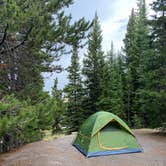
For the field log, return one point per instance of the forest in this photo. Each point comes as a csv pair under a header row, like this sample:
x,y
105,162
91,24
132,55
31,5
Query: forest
x,y
130,83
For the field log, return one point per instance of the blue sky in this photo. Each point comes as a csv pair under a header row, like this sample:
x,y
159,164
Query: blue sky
x,y
113,16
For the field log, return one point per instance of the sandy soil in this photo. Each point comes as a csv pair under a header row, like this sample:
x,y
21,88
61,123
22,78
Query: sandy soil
x,y
60,152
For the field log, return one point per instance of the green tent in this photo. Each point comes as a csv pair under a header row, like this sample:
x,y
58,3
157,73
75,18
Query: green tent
x,y
104,133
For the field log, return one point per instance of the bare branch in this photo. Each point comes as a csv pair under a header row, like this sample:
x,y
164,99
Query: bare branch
x,y
18,45
26,37
4,35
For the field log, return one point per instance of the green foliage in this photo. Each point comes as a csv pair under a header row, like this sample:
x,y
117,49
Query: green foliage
x,y
93,69
153,104
137,121
131,61
137,48
34,34
117,102
111,98
74,115
22,123
151,93
105,96
57,94
18,123
58,107
145,63
156,67
45,114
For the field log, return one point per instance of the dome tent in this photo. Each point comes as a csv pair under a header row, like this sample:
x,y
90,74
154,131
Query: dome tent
x,y
104,133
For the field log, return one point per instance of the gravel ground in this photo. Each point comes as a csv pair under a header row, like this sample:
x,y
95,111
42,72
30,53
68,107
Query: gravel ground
x,y
60,152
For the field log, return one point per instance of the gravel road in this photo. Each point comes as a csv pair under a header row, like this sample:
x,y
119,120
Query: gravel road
x,y
60,152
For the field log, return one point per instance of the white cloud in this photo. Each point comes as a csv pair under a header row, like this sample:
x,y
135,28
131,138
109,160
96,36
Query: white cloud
x,y
114,16
114,28
111,27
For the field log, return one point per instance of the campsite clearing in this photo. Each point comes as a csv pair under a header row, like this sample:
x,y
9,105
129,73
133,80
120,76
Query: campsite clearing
x,y
60,152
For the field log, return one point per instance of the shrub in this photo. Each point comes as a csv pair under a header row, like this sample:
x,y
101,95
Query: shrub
x,y
18,123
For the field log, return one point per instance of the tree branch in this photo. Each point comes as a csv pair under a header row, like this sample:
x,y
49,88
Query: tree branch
x,y
4,35
26,37
18,45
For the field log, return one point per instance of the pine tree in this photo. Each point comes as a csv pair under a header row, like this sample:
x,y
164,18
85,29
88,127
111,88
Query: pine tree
x,y
93,69
153,94
131,61
105,96
34,35
56,93
116,88
57,107
74,113
144,66
143,43
159,44
19,123
119,98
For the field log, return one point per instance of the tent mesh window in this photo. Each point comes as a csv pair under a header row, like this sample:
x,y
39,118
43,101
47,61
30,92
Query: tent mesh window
x,y
112,126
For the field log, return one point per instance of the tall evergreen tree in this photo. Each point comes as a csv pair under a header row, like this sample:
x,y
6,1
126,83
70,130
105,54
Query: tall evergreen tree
x,y
74,114
144,64
111,97
56,93
116,88
143,43
119,94
33,34
105,95
58,107
93,69
154,92
132,59
137,48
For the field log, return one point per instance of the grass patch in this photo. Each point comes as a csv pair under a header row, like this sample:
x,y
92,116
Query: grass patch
x,y
48,136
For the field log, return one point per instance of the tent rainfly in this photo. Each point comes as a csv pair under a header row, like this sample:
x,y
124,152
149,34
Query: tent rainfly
x,y
104,133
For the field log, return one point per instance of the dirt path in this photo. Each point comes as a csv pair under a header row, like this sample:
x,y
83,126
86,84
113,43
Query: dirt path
x,y
60,152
